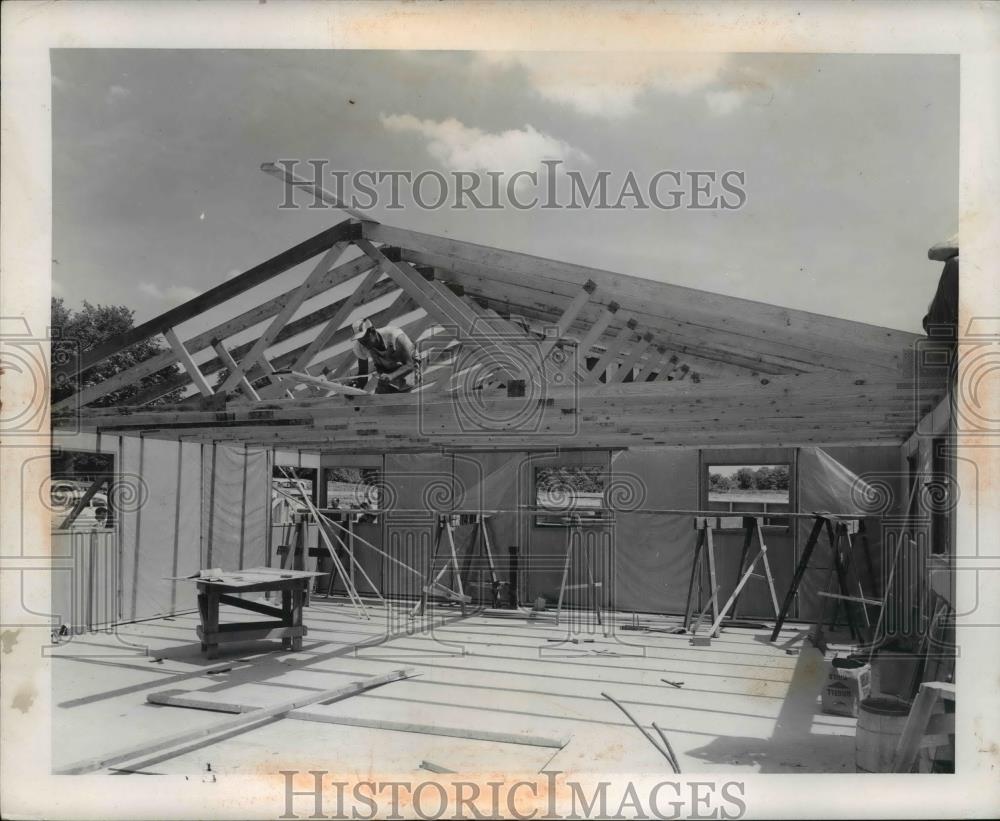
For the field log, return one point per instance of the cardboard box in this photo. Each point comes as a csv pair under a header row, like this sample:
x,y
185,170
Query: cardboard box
x,y
848,684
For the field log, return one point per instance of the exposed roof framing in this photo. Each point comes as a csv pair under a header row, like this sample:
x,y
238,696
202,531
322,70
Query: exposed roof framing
x,y
563,354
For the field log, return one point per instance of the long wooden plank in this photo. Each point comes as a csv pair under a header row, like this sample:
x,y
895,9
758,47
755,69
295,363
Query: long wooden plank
x,y
630,361
276,265
469,731
375,441
785,397
753,317
216,702
346,309
625,336
187,362
717,346
449,423
670,371
266,339
320,382
340,416
593,335
251,631
251,605
293,179
663,363
196,700
707,400
686,401
227,359
452,436
407,279
373,446
569,316
82,502
243,722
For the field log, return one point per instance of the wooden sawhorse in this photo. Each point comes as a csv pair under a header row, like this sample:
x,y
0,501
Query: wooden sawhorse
x,y
447,522
929,725
838,531
575,539
705,548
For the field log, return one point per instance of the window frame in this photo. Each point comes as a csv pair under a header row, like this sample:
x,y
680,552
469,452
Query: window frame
x,y
707,466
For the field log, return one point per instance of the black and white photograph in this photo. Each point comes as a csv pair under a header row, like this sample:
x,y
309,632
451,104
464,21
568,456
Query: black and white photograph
x,y
583,423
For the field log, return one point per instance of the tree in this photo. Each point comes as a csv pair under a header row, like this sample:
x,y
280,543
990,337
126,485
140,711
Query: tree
x,y
719,482
781,477
93,325
766,478
745,479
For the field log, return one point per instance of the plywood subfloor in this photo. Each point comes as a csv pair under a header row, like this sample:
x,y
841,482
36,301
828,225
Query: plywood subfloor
x,y
745,705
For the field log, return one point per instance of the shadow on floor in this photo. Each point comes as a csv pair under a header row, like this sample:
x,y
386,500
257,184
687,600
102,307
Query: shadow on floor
x,y
792,746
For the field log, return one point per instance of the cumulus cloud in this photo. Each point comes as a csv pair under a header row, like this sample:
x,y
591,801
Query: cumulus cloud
x,y
116,93
459,147
725,101
610,85
172,293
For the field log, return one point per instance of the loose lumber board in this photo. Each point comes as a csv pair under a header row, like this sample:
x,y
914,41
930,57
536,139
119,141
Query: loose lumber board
x,y
438,719
244,721
441,719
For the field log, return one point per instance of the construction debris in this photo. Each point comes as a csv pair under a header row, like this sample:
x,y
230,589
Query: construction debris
x,y
241,723
665,750
430,766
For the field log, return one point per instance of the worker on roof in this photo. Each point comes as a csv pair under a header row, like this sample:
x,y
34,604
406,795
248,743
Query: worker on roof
x,y
941,321
390,352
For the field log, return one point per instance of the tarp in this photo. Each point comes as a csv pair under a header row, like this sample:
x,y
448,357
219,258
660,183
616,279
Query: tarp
x,y
160,508
236,496
646,561
418,483
828,485
654,552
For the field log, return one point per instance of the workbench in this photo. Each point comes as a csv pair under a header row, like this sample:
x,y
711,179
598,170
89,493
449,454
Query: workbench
x,y
222,588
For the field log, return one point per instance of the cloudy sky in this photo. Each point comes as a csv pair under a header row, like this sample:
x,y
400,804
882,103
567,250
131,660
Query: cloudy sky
x,y
851,164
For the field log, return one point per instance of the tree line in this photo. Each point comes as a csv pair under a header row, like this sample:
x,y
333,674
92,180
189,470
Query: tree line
x,y
765,477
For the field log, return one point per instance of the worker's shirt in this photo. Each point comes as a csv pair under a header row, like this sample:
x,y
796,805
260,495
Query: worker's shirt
x,y
398,351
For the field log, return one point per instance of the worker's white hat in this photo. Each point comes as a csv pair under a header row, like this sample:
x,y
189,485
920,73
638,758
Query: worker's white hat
x,y
361,327
944,251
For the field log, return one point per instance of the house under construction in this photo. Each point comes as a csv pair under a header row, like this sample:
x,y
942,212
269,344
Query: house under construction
x,y
609,502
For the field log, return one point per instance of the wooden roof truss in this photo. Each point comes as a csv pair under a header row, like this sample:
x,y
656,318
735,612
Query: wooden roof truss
x,y
519,351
